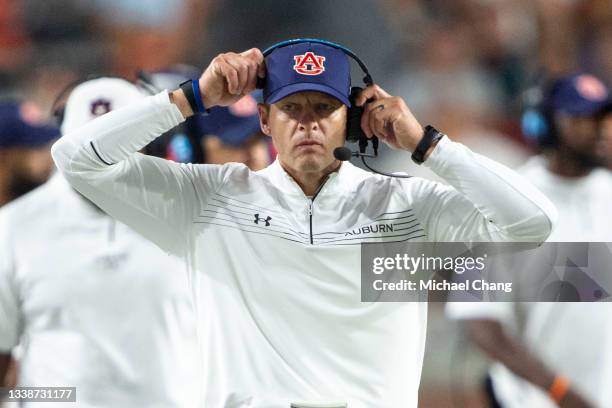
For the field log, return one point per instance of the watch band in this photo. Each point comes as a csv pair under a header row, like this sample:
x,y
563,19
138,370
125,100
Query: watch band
x,y
430,136
191,89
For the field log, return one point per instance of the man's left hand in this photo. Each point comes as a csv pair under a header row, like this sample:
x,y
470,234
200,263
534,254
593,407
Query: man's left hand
x,y
389,118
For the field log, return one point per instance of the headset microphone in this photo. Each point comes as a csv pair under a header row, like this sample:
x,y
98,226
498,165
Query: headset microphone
x,y
343,153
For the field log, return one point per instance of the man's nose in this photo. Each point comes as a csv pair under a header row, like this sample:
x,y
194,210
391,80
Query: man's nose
x,y
308,119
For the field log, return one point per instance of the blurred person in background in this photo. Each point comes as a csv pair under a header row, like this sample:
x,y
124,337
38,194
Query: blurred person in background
x,y
555,354
92,304
605,146
14,41
233,134
468,90
151,34
25,143
226,134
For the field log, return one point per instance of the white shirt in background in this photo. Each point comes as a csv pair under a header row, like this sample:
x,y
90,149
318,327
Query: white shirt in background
x,y
94,305
574,339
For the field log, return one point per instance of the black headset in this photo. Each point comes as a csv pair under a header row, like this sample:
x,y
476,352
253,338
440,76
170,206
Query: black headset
x,y
354,133
537,119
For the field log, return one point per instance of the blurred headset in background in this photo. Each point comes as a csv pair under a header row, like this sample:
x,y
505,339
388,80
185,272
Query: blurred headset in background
x,y
578,95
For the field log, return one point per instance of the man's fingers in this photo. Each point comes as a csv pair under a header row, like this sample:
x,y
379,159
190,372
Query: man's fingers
x,y
365,123
251,78
231,76
363,96
255,55
373,92
242,71
378,121
261,70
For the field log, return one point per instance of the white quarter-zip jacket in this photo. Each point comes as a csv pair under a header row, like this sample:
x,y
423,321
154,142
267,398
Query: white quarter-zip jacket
x,y
93,305
275,274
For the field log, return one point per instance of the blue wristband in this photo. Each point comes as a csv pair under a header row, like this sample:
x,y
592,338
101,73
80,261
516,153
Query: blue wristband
x,y
195,84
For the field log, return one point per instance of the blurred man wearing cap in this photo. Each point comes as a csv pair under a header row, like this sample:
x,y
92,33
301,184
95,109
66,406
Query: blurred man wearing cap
x,y
93,304
25,143
605,145
233,134
553,354
226,134
272,262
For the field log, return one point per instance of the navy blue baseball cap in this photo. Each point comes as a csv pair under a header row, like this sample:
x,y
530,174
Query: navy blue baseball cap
x,y
236,123
307,66
23,125
579,95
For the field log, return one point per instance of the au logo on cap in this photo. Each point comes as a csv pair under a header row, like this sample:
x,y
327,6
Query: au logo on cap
x,y
309,63
99,107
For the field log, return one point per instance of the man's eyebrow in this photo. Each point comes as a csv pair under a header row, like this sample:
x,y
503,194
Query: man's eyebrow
x,y
329,99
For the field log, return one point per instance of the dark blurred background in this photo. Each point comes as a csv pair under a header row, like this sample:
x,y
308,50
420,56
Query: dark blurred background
x,y
461,65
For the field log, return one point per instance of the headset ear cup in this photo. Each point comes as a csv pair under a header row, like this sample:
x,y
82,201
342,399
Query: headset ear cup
x,y
260,83
537,120
353,118
534,125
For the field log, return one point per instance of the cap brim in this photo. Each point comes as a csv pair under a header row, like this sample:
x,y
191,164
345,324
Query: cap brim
x,y
585,108
237,135
39,136
303,87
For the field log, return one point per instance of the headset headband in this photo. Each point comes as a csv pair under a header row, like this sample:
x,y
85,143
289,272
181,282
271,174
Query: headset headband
x,y
367,78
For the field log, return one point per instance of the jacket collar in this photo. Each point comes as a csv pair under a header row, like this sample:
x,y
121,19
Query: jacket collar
x,y
342,179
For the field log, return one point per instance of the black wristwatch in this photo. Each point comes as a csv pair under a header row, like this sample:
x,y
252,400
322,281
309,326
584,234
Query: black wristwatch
x,y
430,136
191,89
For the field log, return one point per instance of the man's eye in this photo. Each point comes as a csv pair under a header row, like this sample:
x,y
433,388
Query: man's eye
x,y
289,107
326,107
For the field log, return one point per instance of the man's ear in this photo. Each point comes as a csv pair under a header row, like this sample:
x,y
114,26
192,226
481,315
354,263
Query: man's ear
x,y
264,116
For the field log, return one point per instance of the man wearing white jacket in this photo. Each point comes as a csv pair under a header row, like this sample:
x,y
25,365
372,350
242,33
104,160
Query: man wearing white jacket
x,y
93,304
275,275
550,354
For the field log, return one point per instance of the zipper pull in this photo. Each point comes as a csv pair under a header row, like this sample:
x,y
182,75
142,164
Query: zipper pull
x,y
310,208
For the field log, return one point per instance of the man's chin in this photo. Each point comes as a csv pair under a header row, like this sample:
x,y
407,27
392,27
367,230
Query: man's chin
x,y
312,163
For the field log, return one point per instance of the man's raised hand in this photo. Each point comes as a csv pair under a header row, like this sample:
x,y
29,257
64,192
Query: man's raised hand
x,y
230,76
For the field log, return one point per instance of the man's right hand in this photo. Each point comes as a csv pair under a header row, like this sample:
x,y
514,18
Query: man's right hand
x,y
230,76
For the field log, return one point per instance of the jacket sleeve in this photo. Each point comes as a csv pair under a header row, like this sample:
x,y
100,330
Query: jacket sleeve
x,y
484,201
157,198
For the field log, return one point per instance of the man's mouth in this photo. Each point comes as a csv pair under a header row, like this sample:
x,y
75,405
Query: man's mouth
x,y
306,143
